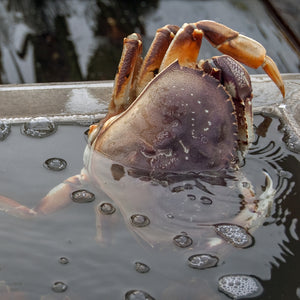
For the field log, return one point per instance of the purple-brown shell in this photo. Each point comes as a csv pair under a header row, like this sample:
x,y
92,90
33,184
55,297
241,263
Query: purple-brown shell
x,y
184,120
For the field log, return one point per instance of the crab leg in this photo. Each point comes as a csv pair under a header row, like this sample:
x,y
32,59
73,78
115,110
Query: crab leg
x,y
241,48
56,199
155,55
133,75
123,93
184,48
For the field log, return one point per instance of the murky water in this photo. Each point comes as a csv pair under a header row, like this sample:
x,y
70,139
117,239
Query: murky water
x,y
63,254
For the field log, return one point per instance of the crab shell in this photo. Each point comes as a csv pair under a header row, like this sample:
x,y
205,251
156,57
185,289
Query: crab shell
x,y
184,120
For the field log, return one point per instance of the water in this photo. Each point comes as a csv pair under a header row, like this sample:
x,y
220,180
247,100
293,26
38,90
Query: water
x,y
63,254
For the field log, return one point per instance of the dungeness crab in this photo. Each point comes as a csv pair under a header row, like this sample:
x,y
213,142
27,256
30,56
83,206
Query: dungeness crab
x,y
175,125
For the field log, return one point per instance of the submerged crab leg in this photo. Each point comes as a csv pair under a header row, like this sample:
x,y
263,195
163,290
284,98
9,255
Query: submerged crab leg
x,y
256,210
155,55
241,48
56,199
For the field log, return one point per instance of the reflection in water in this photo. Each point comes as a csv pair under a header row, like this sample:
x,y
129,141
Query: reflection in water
x,y
69,235
285,213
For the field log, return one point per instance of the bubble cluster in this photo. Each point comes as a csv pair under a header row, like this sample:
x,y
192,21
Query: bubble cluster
x,y
234,234
202,261
4,130
55,164
82,196
106,208
182,240
39,127
141,267
137,295
139,220
240,286
59,287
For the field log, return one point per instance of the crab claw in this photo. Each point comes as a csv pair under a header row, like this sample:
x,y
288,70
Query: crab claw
x,y
242,48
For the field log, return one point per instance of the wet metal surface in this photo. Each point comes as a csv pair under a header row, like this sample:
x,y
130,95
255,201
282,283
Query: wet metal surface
x,y
87,101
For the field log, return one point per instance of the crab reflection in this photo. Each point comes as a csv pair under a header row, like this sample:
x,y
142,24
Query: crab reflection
x,y
182,209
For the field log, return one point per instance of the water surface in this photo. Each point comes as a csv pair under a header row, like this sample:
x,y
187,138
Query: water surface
x,y
33,253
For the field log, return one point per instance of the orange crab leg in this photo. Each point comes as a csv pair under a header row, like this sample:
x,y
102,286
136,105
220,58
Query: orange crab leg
x,y
155,55
56,199
124,88
184,48
241,48
271,69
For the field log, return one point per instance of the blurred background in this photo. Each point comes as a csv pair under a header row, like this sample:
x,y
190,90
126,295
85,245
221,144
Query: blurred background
x,y
75,40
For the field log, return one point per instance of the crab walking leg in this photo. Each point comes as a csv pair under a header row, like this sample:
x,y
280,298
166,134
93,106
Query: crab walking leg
x,y
56,199
256,209
242,48
155,55
123,92
185,47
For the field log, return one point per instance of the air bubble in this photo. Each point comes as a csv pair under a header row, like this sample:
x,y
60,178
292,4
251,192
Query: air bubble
x,y
39,127
246,184
59,287
4,130
141,267
191,197
205,200
63,260
55,164
182,240
139,220
82,196
177,189
170,216
106,208
137,295
234,234
188,186
240,286
202,261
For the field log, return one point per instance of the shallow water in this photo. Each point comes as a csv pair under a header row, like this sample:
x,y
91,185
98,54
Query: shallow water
x,y
31,250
